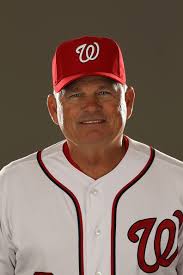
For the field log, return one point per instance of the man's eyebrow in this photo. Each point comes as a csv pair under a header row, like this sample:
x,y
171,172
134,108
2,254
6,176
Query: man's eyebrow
x,y
104,86
70,90
107,87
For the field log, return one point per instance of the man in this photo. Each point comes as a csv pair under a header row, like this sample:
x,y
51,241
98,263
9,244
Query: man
x,y
97,202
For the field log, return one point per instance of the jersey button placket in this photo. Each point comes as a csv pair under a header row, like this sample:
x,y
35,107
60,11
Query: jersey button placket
x,y
94,213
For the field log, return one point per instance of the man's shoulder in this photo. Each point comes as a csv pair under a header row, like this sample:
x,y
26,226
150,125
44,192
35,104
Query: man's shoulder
x,y
29,162
161,159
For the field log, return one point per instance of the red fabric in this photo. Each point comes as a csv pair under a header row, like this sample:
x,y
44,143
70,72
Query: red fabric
x,y
88,55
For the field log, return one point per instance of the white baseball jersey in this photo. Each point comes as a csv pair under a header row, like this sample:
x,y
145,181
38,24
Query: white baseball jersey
x,y
54,219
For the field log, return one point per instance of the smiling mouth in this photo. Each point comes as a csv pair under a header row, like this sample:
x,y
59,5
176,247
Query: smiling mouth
x,y
91,122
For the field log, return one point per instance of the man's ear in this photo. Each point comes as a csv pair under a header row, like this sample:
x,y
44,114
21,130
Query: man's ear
x,y
52,108
129,98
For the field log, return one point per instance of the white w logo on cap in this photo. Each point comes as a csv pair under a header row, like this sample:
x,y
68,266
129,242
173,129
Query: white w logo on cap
x,y
91,52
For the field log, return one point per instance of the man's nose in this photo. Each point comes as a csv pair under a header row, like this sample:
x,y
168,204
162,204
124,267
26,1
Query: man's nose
x,y
91,103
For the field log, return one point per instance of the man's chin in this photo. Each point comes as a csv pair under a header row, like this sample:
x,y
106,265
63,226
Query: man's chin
x,y
93,140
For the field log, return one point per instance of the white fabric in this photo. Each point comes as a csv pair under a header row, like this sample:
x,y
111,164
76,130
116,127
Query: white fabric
x,y
39,224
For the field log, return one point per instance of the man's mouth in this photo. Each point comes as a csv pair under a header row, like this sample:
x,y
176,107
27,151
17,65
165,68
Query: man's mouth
x,y
98,121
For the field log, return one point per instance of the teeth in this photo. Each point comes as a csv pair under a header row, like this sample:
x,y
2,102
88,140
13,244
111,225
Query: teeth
x,y
93,121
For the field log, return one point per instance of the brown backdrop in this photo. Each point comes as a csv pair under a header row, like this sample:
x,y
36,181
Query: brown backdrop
x,y
150,34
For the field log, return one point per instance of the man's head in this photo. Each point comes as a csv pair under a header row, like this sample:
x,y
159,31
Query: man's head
x,y
91,100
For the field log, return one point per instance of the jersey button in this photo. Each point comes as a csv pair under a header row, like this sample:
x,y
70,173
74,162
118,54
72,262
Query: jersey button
x,y
98,273
94,191
97,232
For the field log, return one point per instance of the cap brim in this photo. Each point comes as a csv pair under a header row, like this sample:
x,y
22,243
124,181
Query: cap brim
x,y
69,79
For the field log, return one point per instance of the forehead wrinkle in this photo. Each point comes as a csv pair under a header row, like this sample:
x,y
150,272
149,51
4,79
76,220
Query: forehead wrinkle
x,y
89,79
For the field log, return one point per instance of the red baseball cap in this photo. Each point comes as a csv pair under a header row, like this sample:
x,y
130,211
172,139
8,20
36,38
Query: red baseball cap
x,y
84,56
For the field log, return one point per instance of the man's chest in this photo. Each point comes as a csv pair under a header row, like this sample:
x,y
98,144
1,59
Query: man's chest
x,y
130,230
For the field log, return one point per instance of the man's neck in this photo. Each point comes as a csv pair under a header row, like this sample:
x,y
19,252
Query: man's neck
x,y
97,158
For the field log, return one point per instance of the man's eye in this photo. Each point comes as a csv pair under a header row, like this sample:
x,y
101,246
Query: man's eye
x,y
75,95
104,92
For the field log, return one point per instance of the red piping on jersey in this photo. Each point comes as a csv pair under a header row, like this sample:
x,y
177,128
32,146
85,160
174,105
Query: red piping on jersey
x,y
78,210
67,154
77,206
114,208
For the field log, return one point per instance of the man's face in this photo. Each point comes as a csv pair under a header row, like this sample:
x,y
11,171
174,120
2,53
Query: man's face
x,y
92,110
